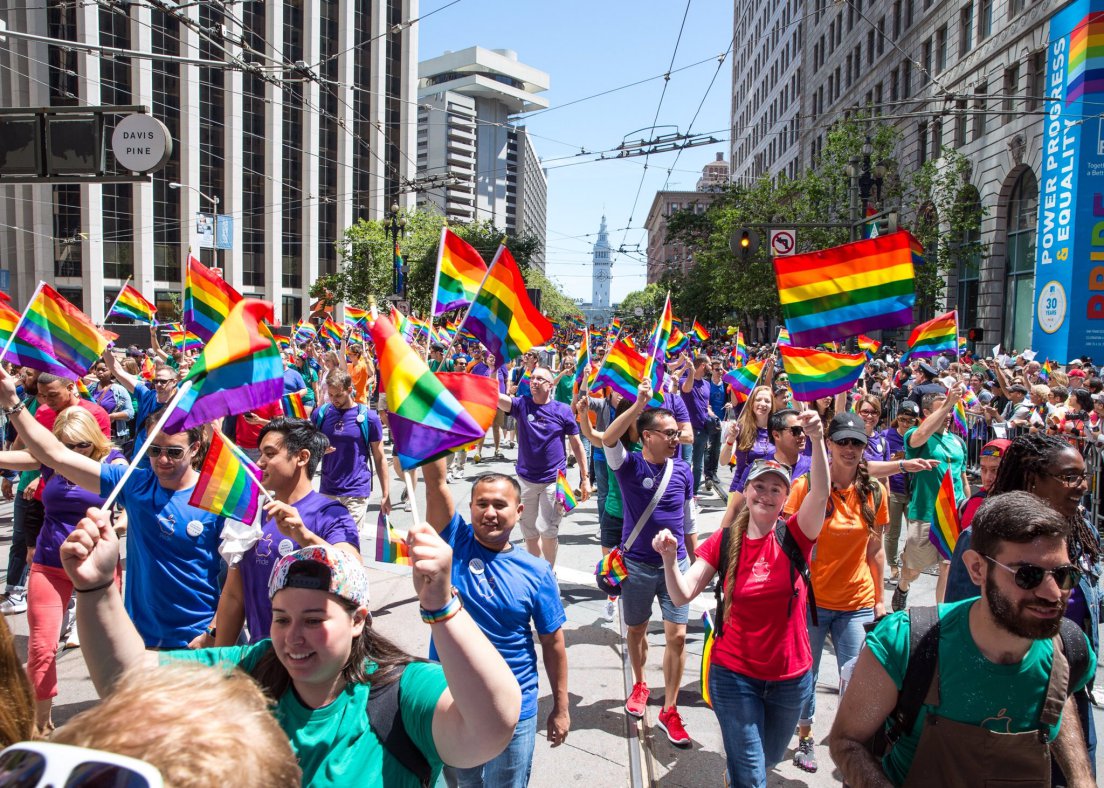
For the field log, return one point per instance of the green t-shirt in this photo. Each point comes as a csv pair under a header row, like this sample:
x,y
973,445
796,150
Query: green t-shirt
x,y
565,388
26,477
948,449
614,507
335,745
972,690
310,377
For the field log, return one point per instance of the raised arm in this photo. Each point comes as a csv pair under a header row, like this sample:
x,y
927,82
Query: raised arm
x,y
930,425
621,424
439,504
810,515
157,349
126,380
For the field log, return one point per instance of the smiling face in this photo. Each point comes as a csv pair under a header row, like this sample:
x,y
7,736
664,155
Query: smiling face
x,y
495,506
1034,613
765,497
762,404
786,443
1052,487
312,635
278,468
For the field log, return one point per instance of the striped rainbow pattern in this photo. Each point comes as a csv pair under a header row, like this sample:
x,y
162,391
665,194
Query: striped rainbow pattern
x,y
331,332
502,317
817,373
784,337
305,331
22,354
740,350
1085,69
133,304
564,494
971,399
935,336
582,358
612,567
207,299
945,523
293,406
354,316
391,546
613,330
958,415
148,368
239,370
282,342
677,342
185,340
845,290
460,271
868,345
743,379
698,332
225,487
661,336
707,656
622,370
65,337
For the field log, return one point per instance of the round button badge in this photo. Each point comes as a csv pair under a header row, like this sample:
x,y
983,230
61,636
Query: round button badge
x,y
649,484
475,566
194,528
286,546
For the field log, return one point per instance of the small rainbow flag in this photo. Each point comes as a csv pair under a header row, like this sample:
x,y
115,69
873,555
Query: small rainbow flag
x,y
971,399
229,482
868,345
282,342
743,379
82,390
185,340
740,351
354,316
945,523
132,304
305,331
613,330
958,414
622,370
331,332
842,291
502,317
293,406
707,656
582,359
460,271
56,337
661,336
698,332
1045,370
934,336
391,546
817,373
612,567
784,337
962,345
148,368
208,299
677,343
564,494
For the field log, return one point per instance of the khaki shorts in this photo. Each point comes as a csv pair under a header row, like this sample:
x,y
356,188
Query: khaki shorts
x,y
542,514
357,506
499,419
919,552
381,404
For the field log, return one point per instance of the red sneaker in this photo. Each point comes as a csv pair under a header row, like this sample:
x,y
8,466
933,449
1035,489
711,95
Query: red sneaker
x,y
638,700
671,723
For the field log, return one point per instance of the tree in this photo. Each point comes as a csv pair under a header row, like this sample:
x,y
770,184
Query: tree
x,y
649,301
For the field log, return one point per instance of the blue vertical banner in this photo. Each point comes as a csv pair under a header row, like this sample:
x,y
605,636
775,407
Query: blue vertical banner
x,y
1069,251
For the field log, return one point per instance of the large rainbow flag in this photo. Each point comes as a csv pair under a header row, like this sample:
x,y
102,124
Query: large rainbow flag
x,y
229,482
460,272
622,370
23,354
839,292
130,303
818,373
743,379
391,546
934,336
239,370
54,336
502,317
208,299
945,523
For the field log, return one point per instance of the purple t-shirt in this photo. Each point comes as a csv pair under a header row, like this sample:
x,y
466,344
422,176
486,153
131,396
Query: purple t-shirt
x,y
65,504
479,368
762,449
541,432
799,468
674,403
345,470
895,442
632,477
324,517
697,403
503,375
877,448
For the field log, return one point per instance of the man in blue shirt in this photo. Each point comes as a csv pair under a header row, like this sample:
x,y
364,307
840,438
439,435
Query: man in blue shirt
x,y
149,400
504,589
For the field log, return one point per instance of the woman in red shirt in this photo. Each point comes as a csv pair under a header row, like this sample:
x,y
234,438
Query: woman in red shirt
x,y
761,664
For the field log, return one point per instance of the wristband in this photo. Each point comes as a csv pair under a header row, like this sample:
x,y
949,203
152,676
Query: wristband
x,y
12,411
94,588
901,465
454,606
210,631
730,443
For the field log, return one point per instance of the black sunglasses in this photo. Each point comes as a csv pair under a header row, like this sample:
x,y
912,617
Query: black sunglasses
x,y
75,446
1029,576
796,430
849,442
172,452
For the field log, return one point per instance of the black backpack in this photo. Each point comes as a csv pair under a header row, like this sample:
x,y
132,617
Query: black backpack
x,y
924,628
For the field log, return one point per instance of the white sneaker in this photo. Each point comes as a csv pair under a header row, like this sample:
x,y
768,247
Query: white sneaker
x,y
13,605
610,609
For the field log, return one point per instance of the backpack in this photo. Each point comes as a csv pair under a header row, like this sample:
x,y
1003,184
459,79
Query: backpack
x,y
798,566
924,629
362,419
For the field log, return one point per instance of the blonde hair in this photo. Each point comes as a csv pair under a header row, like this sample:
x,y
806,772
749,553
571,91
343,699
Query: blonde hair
x,y
131,365
76,425
749,427
199,726
17,716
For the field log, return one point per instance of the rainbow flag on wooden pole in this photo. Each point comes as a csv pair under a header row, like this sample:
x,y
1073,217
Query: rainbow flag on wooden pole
x,y
54,336
391,546
817,373
132,304
935,336
743,380
208,299
565,496
945,522
460,272
229,483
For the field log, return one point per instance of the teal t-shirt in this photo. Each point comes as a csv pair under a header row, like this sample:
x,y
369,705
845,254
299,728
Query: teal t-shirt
x,y
614,506
972,690
950,451
335,745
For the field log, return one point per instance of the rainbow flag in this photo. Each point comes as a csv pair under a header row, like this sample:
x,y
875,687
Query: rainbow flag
x,y
582,359
783,337
817,373
460,272
427,415
743,379
933,337
82,390
623,370
305,331
740,350
229,482
239,370
629,342
958,415
355,316
185,340
612,567
677,342
22,354
945,523
502,317
698,332
282,342
331,332
132,304
613,330
208,299
148,368
661,336
707,656
54,336
391,546
868,345
564,494
173,326
293,406
842,291
971,399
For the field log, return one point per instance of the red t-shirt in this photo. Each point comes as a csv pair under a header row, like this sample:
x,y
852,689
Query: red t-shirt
x,y
246,433
46,416
760,639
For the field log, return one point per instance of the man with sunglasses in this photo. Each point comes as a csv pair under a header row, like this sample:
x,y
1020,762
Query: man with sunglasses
x,y
1006,667
542,426
149,400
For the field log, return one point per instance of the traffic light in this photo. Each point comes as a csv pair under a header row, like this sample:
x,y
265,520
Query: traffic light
x,y
744,243
973,334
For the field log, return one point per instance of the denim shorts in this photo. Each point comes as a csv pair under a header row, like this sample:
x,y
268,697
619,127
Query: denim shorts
x,y
609,530
644,583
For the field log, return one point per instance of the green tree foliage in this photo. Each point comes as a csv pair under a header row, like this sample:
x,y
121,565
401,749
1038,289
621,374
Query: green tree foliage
x,y
650,302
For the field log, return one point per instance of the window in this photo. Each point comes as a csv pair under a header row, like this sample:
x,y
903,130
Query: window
x,y
985,19
908,13
896,19
922,143
906,79
1019,289
1011,87
878,98
936,139
1016,7
941,50
894,86
979,110
1036,79
848,70
960,124
966,251
881,35
966,29
870,48
926,62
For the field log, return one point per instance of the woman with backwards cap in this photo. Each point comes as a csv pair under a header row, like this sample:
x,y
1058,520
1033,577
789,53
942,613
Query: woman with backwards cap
x,y
323,659
760,666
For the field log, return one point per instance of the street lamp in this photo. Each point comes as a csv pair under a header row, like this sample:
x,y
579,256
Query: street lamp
x,y
213,200
398,275
864,181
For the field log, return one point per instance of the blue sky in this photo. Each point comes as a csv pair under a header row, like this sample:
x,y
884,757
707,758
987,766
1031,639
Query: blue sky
x,y
587,48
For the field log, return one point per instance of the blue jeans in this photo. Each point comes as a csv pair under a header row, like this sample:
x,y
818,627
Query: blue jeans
x,y
509,770
17,556
701,440
757,720
846,629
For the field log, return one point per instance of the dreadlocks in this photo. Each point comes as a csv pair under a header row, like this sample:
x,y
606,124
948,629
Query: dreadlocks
x,y
1031,456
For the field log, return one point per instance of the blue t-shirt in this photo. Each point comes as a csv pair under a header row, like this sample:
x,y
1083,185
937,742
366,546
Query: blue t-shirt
x,y
324,517
293,381
147,406
346,470
502,592
717,398
172,586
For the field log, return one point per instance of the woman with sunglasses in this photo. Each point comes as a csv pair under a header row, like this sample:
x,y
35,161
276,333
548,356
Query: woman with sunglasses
x,y
760,665
48,587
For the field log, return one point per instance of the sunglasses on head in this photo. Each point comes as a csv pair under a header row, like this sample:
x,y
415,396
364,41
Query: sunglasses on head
x,y
41,764
1029,576
172,452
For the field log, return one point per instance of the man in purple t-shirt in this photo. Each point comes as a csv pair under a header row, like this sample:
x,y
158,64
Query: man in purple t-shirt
x,y
695,393
542,425
640,478
300,517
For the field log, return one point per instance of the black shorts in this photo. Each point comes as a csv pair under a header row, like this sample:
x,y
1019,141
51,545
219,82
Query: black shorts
x,y
609,530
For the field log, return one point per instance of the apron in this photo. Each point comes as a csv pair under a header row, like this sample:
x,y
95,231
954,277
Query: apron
x,y
957,755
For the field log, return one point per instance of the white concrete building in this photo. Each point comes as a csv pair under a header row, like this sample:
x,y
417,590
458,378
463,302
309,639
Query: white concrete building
x,y
292,160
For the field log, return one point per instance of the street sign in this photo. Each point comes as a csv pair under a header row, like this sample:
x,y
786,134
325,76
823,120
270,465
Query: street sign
x,y
782,242
5,280
141,143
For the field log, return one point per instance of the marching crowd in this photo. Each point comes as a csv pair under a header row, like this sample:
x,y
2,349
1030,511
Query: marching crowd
x,y
828,518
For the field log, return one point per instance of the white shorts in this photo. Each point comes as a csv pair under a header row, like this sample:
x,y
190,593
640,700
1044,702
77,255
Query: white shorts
x,y
542,514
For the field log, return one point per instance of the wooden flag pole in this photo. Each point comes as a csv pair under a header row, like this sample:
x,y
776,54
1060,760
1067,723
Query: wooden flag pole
x,y
467,314
408,479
